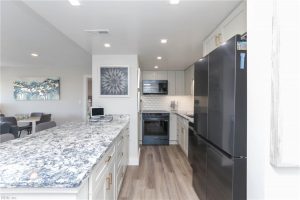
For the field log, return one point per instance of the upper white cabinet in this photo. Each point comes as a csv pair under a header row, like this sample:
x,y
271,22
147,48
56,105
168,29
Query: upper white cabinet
x,y
171,83
155,75
179,83
176,80
189,80
149,75
235,23
161,75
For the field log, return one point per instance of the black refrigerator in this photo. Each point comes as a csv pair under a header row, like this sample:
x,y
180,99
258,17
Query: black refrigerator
x,y
218,143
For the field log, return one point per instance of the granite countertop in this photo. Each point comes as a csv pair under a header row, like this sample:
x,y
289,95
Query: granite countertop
x,y
184,115
60,157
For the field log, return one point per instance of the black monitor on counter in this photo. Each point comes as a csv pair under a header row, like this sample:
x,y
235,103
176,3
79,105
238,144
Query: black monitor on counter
x,y
97,112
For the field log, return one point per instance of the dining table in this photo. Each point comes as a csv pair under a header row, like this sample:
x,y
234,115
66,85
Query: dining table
x,y
31,120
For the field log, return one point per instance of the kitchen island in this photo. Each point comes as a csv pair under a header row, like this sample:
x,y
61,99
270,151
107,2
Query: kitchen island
x,y
72,161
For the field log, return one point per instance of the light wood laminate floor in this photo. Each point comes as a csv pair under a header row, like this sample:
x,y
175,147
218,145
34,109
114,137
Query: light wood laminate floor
x,y
164,173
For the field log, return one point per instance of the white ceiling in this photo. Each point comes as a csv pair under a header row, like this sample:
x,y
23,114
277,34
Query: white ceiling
x,y
24,32
136,27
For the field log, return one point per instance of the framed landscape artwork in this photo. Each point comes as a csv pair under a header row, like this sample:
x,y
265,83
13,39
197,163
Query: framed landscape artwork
x,y
37,89
114,81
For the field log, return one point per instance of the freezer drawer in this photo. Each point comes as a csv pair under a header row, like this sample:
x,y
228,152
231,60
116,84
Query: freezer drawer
x,y
226,177
197,158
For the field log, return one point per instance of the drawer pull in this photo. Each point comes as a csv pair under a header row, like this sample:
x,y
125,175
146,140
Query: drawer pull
x,y
108,159
110,178
107,183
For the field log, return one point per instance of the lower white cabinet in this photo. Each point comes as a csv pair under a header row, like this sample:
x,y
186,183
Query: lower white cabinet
x,y
173,129
106,179
182,133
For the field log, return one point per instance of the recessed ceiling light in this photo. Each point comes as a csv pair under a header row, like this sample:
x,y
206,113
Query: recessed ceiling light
x,y
223,43
163,41
156,67
159,57
200,59
174,2
74,2
34,54
107,45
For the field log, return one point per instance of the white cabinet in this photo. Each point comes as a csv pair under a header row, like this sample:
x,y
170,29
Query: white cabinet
x,y
101,181
182,133
176,80
179,83
173,128
171,83
148,75
106,178
189,80
161,75
235,23
155,75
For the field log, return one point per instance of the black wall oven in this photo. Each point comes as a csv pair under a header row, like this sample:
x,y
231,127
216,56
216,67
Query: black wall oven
x,y
155,128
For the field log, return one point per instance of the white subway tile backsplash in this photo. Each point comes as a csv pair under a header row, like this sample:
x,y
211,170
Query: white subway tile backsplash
x,y
155,102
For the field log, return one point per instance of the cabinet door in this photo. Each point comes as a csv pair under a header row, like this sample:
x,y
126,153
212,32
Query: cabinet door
x,y
188,81
110,182
179,84
171,83
148,75
237,25
173,127
186,136
161,75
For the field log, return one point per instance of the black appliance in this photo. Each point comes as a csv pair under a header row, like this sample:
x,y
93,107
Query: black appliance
x,y
218,141
155,128
159,87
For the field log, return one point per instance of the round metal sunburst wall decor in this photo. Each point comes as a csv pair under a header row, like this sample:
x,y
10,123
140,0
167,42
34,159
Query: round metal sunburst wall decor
x,y
114,80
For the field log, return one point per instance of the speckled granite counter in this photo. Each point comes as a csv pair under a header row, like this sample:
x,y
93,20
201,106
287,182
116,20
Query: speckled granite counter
x,y
61,157
184,115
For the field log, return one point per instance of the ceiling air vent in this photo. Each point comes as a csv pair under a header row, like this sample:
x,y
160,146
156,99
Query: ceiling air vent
x,y
99,31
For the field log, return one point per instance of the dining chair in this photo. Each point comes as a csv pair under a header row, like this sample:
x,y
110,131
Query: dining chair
x,y
13,123
36,114
44,126
44,118
6,132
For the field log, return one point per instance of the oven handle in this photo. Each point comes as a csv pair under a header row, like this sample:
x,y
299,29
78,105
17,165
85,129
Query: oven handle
x,y
156,119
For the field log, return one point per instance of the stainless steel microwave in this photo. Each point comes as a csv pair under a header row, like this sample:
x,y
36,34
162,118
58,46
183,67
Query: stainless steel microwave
x,y
159,87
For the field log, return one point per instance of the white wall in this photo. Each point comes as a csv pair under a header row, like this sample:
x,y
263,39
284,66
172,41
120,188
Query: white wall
x,y
120,105
23,32
265,181
68,108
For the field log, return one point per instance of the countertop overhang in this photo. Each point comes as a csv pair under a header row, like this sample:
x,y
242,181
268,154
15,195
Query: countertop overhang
x,y
60,157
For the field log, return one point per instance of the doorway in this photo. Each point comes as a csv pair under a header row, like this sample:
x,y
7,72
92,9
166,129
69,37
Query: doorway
x,y
87,96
